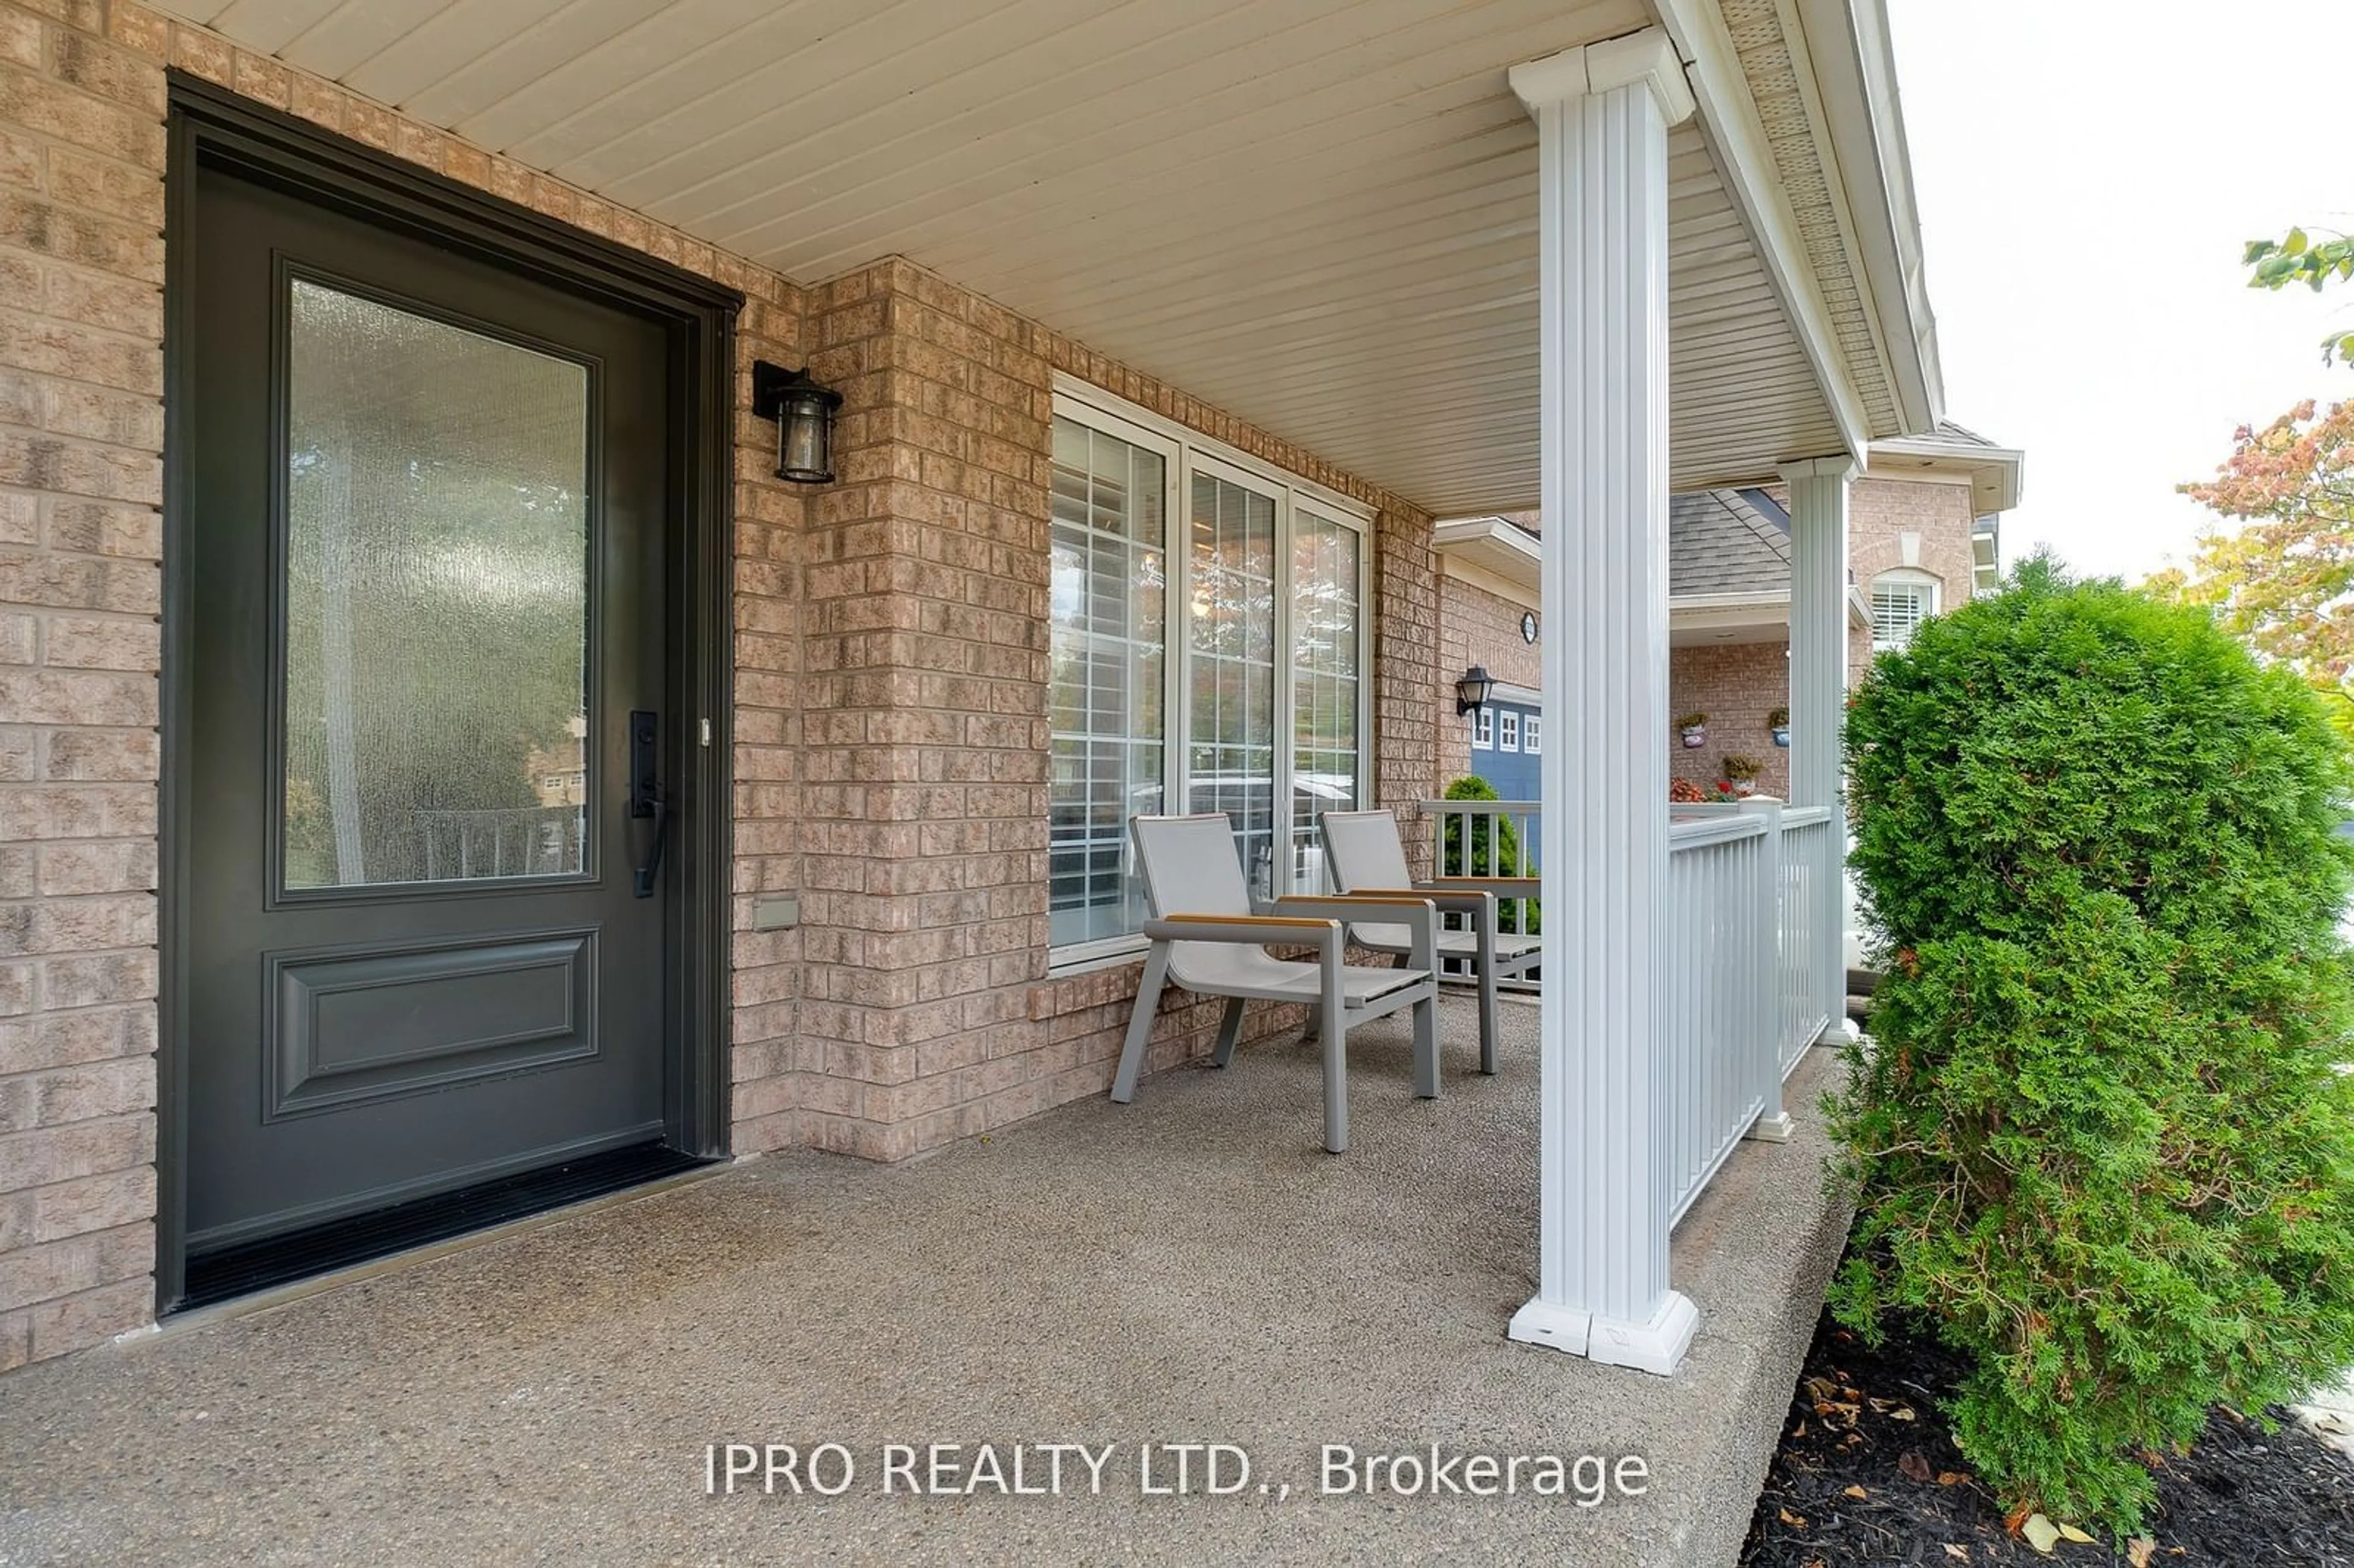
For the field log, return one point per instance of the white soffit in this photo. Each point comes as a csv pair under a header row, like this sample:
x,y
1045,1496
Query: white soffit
x,y
1992,472
1319,214
1492,545
1701,619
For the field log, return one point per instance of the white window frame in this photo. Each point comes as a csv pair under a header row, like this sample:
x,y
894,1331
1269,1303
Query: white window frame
x,y
1508,730
1173,545
1533,736
1923,584
1483,728
1188,450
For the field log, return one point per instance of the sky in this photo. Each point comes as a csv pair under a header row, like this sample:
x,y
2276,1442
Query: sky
x,y
2088,171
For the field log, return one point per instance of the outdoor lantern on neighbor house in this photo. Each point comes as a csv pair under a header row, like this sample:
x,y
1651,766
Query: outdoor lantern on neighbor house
x,y
1471,691
805,414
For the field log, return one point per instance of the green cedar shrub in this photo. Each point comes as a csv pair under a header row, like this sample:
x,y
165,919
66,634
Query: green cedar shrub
x,y
2100,1141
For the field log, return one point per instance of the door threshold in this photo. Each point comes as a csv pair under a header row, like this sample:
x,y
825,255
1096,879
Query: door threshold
x,y
270,1272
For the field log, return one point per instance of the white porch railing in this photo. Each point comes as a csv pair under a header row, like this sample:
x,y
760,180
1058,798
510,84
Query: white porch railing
x,y
1746,969
1469,839
1721,1064
1810,1000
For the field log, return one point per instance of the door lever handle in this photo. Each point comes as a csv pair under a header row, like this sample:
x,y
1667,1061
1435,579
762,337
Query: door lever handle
x,y
648,868
645,793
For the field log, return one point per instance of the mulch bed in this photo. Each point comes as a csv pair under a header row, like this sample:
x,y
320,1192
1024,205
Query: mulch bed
x,y
1866,1474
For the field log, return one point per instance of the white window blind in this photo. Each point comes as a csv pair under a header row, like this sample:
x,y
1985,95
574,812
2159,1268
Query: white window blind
x,y
1898,608
1107,599
1208,660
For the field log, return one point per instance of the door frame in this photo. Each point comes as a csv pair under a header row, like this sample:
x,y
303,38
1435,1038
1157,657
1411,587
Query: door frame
x,y
212,127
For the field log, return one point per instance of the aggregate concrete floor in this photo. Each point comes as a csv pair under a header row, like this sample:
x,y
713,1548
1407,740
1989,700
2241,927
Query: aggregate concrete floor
x,y
1190,1267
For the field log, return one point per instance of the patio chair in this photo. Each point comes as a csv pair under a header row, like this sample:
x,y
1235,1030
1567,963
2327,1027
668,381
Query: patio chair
x,y
1208,939
1366,856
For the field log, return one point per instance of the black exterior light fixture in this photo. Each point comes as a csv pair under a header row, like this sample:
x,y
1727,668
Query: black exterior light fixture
x,y
1471,691
805,414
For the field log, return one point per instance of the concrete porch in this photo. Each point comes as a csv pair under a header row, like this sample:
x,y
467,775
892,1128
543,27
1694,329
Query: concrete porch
x,y
1190,1267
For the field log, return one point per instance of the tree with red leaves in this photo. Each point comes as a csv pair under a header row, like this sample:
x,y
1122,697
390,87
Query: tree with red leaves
x,y
2284,584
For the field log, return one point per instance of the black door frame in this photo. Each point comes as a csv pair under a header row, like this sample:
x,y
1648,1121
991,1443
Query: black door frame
x,y
211,127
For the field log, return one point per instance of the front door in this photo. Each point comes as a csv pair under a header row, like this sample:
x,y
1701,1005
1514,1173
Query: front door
x,y
425,742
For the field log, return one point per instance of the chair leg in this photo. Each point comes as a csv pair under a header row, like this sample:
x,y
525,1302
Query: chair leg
x,y
1335,1024
1139,1024
1426,1044
1230,1033
1488,996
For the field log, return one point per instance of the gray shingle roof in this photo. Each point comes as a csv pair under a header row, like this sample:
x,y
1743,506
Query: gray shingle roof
x,y
1727,540
1719,541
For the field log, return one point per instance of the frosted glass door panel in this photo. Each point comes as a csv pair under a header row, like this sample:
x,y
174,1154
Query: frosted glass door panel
x,y
436,600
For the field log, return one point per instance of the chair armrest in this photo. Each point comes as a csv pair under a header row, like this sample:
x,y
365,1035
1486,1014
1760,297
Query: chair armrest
x,y
1415,911
1246,930
1501,887
1452,900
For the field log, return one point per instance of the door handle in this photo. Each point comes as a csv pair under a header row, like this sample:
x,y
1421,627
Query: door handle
x,y
645,793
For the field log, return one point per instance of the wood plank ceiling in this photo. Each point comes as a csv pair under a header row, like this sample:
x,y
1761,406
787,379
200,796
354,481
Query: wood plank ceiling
x,y
1318,213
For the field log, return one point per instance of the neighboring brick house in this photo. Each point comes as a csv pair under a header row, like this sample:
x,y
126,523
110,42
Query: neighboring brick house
x,y
1924,525
1488,610
1923,522
889,723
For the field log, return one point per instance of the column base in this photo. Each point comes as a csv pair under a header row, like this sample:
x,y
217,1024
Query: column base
x,y
1775,1128
1839,1032
1655,1345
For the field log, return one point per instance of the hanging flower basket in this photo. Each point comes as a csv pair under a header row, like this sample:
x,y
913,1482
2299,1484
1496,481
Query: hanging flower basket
x,y
1695,730
1778,723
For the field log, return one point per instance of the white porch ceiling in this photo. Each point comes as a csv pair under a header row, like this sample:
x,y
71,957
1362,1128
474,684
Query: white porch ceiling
x,y
1318,213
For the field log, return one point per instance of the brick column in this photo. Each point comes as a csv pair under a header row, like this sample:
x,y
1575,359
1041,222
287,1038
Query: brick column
x,y
1412,694
81,269
925,766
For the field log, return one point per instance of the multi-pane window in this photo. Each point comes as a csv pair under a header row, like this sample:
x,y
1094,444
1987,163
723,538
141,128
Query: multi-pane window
x,y
1533,734
1483,729
1327,604
1230,632
1107,602
1508,731
1899,605
1255,592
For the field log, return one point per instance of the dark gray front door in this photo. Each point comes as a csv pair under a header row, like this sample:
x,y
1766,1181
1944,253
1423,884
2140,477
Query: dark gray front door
x,y
426,504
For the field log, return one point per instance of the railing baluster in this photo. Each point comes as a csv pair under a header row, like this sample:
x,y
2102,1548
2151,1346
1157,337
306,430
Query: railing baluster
x,y
1739,1004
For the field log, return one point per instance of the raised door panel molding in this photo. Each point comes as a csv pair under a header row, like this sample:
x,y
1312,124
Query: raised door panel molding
x,y
348,1026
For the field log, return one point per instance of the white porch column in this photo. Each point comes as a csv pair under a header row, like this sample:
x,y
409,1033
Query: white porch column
x,y
1602,115
1819,693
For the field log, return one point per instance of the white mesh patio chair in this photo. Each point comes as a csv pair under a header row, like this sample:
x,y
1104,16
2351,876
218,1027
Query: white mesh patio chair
x,y
1208,939
1367,855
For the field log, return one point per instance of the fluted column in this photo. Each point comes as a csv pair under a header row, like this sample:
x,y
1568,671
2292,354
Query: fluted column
x,y
1603,113
1818,490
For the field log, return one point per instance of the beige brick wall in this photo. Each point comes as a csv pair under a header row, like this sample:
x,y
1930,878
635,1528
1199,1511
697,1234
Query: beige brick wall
x,y
81,268
931,1013
1881,512
1477,627
1738,685
889,643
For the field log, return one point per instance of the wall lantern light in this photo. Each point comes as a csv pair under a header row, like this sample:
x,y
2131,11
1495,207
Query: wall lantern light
x,y
1471,691
805,414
